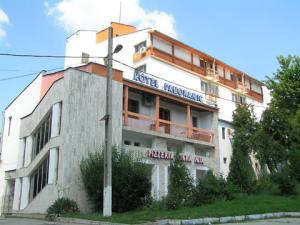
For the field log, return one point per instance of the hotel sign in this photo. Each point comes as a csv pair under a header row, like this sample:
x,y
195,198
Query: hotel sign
x,y
170,156
165,86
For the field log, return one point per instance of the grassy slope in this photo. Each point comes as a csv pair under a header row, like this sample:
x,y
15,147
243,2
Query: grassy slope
x,y
262,203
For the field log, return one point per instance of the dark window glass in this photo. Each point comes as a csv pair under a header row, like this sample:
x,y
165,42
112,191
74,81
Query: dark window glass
x,y
194,121
223,132
133,106
126,142
137,144
84,58
39,178
140,47
164,114
9,125
42,134
141,68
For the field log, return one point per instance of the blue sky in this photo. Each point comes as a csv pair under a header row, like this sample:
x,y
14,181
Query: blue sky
x,y
245,34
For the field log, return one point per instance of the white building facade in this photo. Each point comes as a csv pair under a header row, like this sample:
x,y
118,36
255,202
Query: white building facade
x,y
166,96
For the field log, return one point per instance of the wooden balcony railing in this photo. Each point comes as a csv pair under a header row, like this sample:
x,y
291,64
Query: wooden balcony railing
x,y
212,74
143,122
241,87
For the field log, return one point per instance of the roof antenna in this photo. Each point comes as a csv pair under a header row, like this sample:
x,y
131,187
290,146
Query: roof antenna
x,y
120,12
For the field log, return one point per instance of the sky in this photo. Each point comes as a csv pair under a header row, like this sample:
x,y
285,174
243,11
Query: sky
x,y
247,35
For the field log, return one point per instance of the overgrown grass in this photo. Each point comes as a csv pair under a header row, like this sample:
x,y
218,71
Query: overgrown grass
x,y
242,205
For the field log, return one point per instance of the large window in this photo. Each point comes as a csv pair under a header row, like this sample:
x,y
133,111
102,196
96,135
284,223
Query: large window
x,y
238,98
209,88
39,178
162,45
42,134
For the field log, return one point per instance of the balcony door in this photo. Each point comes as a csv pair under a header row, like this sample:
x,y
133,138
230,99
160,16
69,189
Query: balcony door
x,y
165,114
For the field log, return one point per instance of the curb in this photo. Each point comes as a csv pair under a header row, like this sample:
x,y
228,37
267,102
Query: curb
x,y
207,220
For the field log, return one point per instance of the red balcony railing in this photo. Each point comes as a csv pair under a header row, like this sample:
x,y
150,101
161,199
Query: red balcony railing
x,y
143,122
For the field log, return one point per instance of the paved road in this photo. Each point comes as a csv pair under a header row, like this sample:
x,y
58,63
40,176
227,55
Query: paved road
x,y
284,221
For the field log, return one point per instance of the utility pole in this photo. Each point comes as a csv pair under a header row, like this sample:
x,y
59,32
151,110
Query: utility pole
x,y
107,184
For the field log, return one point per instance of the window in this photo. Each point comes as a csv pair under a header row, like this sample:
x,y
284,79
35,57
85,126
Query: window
x,y
182,54
202,63
164,114
239,78
242,100
84,58
231,76
137,144
141,68
214,89
162,45
234,97
140,47
126,142
39,178
223,133
204,86
42,134
256,87
209,88
133,106
9,125
196,60
194,121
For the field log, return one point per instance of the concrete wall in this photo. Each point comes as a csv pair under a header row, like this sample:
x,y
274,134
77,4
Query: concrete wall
x,y
83,100
21,106
225,147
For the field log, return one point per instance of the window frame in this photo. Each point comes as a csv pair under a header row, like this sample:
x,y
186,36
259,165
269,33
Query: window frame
x,y
140,45
223,133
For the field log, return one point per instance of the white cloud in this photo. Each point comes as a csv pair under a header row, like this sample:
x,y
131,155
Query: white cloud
x,y
97,14
3,20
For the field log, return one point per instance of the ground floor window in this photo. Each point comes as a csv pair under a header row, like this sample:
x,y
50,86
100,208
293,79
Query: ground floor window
x,y
39,178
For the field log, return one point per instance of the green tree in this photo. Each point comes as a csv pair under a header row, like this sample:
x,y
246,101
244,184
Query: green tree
x,y
268,140
181,184
277,139
241,172
131,181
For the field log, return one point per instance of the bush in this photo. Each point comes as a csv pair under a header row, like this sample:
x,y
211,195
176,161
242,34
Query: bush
x,y
264,183
131,185
181,184
61,206
209,188
286,182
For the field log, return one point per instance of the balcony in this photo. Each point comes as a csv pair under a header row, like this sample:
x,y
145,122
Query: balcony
x,y
141,54
241,88
212,74
147,123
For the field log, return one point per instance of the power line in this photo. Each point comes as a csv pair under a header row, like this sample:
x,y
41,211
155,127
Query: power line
x,y
230,100
35,73
50,56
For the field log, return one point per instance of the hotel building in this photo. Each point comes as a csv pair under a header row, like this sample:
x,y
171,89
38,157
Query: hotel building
x,y
166,96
